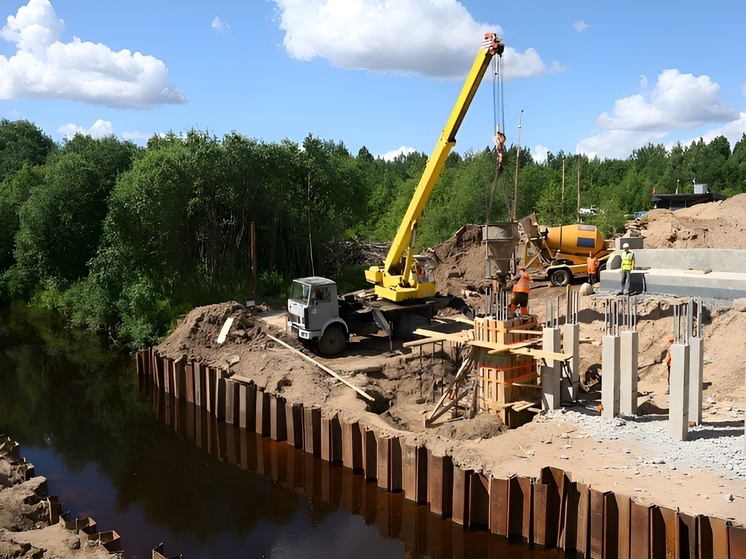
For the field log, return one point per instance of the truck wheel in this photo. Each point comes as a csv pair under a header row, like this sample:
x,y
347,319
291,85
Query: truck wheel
x,y
561,277
332,342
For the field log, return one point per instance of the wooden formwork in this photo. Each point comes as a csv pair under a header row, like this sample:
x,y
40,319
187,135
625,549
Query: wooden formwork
x,y
505,382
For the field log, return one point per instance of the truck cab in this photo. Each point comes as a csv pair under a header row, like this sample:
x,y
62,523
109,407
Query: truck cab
x,y
313,314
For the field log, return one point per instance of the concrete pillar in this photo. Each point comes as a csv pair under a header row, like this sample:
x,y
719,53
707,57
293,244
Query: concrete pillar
x,y
610,376
678,404
571,346
628,354
550,372
696,370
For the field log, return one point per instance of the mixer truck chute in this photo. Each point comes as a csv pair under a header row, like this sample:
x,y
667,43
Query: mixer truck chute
x,y
560,254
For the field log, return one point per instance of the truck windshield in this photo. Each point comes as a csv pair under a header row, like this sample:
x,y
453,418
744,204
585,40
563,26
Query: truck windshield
x,y
299,292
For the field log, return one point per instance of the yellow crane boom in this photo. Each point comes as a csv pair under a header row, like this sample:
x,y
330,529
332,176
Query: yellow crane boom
x,y
398,280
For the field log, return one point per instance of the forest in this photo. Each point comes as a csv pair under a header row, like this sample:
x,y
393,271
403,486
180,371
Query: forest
x,y
121,238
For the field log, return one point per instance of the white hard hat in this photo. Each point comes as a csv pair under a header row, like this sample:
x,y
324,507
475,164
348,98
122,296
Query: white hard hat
x,y
625,245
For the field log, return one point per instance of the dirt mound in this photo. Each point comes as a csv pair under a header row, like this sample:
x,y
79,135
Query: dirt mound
x,y
713,225
197,332
461,266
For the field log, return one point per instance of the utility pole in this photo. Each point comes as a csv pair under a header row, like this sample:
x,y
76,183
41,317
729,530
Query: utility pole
x,y
517,165
578,214
310,240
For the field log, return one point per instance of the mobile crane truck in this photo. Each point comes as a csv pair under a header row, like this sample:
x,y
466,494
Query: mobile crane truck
x,y
404,299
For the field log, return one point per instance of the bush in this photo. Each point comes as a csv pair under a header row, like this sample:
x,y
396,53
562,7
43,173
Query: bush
x,y
273,286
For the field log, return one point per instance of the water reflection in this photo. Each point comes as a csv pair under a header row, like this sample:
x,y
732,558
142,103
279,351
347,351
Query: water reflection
x,y
157,469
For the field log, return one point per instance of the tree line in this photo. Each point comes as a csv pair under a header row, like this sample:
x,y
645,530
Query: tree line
x,y
122,238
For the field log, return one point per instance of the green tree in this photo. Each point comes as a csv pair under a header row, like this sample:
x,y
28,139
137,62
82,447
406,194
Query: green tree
x,y
21,142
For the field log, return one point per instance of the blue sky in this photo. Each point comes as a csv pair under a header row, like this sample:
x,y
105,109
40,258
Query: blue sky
x,y
601,78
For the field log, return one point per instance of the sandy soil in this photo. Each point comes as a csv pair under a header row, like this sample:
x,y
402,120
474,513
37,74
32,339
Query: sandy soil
x,y
25,530
632,456
635,458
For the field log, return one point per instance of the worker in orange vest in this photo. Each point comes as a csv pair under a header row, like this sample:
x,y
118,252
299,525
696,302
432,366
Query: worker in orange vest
x,y
521,288
592,268
668,364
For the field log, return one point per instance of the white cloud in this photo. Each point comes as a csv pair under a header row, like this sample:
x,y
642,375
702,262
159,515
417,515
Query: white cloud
x,y
220,25
434,38
676,102
44,67
579,26
680,101
391,155
539,153
100,129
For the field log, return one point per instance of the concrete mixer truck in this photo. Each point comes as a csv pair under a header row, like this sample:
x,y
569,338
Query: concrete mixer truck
x,y
560,254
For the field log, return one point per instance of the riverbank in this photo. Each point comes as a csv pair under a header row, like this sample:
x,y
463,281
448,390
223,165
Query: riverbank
x,y
632,457
29,518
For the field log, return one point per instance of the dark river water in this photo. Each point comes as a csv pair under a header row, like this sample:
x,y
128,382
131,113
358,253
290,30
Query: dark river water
x,y
157,470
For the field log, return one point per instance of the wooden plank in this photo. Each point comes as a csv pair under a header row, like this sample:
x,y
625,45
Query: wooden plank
x,y
541,354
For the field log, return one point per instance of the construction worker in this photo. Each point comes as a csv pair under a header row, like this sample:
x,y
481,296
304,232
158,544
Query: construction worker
x,y
521,288
628,264
668,364
592,268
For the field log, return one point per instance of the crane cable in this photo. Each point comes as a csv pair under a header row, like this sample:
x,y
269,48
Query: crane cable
x,y
498,117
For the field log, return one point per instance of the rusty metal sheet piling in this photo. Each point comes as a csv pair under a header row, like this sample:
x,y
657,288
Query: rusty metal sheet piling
x,y
312,431
277,423
189,382
712,537
199,383
166,365
180,381
461,491
231,402
737,542
383,454
520,512
262,424
219,408
688,537
294,425
547,507
414,475
597,523
352,446
640,527
583,532
440,484
331,440
158,553
479,501
370,454
499,506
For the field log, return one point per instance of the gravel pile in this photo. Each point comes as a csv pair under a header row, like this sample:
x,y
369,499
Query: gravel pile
x,y
718,448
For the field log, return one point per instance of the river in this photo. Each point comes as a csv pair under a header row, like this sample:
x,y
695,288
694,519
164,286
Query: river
x,y
156,470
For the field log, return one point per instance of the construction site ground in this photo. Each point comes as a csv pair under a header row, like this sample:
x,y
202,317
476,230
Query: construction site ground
x,y
632,456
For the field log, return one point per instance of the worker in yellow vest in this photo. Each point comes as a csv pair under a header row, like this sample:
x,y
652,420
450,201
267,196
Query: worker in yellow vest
x,y
628,264
521,288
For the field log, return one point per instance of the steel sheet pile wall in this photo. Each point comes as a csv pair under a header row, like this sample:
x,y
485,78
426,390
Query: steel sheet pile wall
x,y
15,470
550,511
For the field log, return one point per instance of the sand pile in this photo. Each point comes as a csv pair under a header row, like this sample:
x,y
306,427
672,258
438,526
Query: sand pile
x,y
712,225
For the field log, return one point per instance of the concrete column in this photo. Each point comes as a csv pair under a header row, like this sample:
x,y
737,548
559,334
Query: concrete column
x,y
678,404
696,369
628,354
610,376
550,372
571,346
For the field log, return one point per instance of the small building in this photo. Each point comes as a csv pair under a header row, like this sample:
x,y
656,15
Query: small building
x,y
701,195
